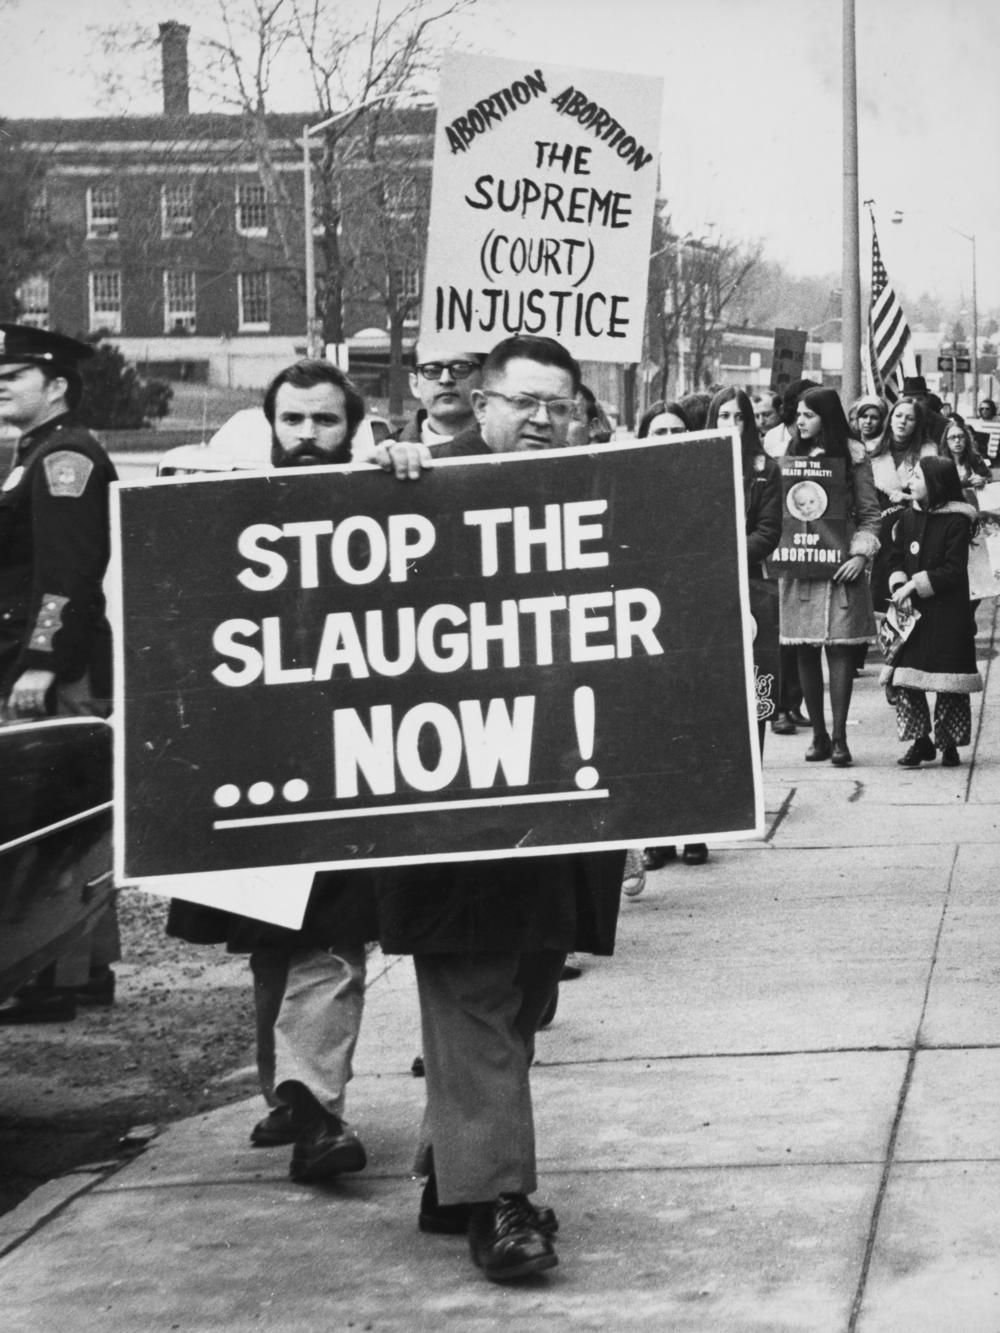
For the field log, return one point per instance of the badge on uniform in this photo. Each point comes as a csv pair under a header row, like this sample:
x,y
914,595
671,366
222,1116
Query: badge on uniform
x,y
67,473
914,548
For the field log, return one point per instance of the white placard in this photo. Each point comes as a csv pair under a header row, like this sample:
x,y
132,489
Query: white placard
x,y
545,182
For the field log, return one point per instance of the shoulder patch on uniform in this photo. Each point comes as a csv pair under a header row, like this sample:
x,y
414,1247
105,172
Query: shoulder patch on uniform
x,y
67,473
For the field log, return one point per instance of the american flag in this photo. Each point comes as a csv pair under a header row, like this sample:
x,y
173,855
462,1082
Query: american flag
x,y
888,331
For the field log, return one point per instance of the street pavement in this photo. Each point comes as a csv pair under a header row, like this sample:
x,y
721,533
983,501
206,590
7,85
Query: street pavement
x,y
776,1108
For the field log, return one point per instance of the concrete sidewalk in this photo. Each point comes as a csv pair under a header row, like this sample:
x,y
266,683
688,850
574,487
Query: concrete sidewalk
x,y
777,1108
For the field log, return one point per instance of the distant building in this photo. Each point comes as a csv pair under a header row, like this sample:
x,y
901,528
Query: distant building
x,y
188,256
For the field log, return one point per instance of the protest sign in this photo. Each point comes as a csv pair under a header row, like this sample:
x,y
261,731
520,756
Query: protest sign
x,y
517,653
788,358
542,199
814,519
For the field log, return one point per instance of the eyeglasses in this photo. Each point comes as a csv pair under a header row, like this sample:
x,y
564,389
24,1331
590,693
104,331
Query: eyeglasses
x,y
458,370
526,404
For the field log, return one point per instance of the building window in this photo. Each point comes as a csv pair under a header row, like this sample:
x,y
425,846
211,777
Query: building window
x,y
38,214
251,210
178,301
255,302
405,284
33,302
105,300
177,210
102,212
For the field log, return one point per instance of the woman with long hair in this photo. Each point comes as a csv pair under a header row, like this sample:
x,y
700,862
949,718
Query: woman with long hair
x,y
929,569
958,444
662,419
905,439
832,615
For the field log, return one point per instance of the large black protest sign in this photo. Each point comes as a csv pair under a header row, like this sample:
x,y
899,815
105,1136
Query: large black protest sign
x,y
514,654
814,541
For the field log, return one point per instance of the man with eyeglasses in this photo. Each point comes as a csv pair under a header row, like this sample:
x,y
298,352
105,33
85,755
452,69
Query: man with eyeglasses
x,y
444,384
489,938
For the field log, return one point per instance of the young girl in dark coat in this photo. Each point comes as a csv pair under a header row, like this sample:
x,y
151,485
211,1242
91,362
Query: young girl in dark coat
x,y
928,567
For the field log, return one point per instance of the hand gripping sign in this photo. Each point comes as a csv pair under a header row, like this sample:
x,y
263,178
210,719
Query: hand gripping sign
x,y
516,654
542,205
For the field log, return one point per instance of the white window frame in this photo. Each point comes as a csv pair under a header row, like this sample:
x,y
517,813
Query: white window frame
x,y
252,229
175,309
177,214
247,325
106,316
408,285
33,297
103,214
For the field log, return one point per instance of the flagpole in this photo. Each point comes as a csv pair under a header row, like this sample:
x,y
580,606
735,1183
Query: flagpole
x,y
851,271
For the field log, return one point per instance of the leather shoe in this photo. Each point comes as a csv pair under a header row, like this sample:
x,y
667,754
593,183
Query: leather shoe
x,y
452,1219
922,751
783,725
504,1239
798,717
654,858
325,1150
694,854
34,1005
949,757
840,755
821,748
276,1129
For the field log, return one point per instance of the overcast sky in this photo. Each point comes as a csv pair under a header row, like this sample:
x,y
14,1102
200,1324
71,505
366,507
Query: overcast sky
x,y
752,109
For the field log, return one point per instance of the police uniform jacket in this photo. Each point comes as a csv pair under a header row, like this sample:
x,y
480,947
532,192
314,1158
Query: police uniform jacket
x,y
54,548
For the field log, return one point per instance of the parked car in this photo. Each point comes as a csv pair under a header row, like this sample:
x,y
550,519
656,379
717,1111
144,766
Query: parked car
x,y
55,847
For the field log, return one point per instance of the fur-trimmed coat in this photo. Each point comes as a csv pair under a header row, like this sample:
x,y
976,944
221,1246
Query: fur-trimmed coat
x,y
932,549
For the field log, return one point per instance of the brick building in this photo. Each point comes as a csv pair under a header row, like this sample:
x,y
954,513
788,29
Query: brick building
x,y
190,257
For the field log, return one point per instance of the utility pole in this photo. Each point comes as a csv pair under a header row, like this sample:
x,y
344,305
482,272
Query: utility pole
x,y
851,274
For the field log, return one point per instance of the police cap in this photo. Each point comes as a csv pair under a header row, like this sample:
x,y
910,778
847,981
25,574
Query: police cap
x,y
21,342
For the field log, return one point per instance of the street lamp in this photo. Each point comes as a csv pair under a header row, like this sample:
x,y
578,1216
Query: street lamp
x,y
313,340
897,217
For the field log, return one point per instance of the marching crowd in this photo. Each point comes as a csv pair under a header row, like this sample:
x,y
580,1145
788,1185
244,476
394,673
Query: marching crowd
x,y
490,940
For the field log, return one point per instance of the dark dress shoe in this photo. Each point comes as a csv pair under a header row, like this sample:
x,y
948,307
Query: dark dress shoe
x,y
33,1005
654,858
821,748
98,989
452,1219
504,1239
326,1149
571,968
949,757
783,725
922,751
277,1128
694,854
798,717
549,1012
840,755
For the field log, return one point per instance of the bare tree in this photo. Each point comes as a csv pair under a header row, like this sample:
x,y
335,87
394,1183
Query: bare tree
x,y
693,281
356,60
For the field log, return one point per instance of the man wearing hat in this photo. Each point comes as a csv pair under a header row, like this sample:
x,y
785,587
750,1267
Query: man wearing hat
x,y
55,643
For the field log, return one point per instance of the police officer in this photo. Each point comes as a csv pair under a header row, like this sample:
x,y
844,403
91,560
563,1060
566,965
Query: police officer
x,y
55,643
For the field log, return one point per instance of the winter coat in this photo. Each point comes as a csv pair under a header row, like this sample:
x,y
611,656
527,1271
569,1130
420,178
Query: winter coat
x,y
819,611
932,549
762,506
